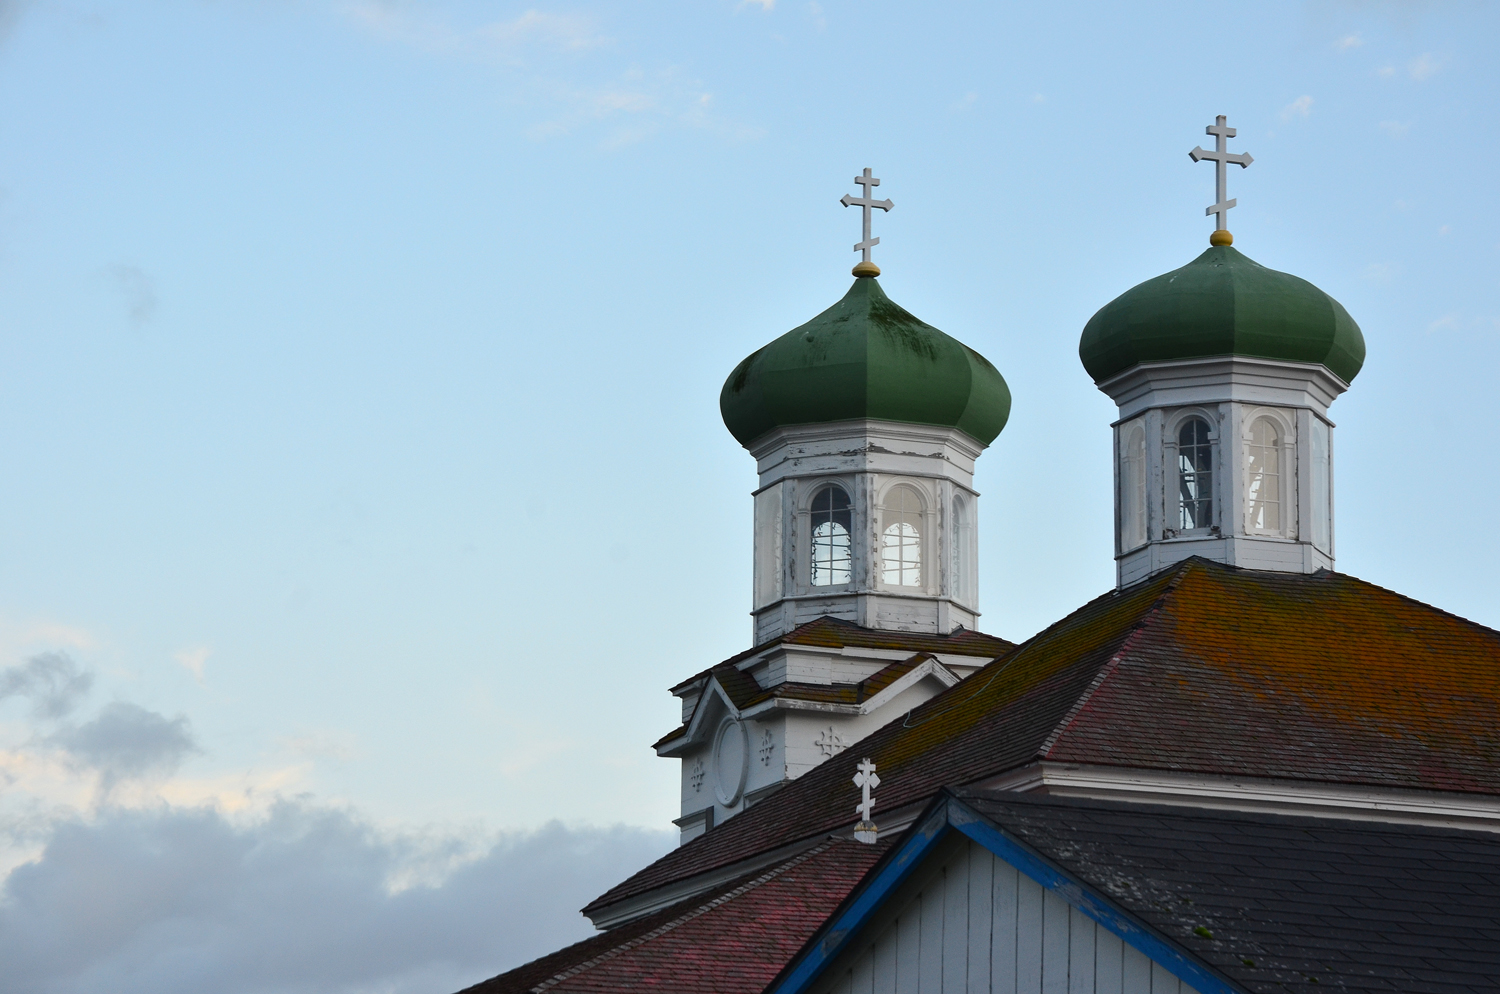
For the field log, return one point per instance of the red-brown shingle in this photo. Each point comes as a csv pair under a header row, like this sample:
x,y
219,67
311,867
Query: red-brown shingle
x,y
732,941
1203,668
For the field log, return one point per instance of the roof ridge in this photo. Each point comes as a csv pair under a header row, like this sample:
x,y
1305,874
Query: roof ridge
x,y
683,919
1003,661
1114,662
1470,622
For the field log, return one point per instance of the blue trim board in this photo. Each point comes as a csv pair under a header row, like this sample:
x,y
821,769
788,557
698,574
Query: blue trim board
x,y
832,938
949,814
1182,964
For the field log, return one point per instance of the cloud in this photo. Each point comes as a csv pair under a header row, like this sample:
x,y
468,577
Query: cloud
x,y
193,659
631,102
1423,66
305,899
126,742
637,105
1301,107
138,290
1349,41
10,12
565,32
505,39
53,682
1396,129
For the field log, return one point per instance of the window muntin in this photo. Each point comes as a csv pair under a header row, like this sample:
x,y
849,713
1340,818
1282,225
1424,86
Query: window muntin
x,y
1133,487
1195,483
832,525
901,539
1263,477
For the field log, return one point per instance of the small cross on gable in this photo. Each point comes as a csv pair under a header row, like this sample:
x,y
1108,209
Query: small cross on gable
x,y
866,780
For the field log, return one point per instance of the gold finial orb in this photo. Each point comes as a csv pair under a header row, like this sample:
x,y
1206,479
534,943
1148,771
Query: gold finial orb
x,y
866,269
1221,237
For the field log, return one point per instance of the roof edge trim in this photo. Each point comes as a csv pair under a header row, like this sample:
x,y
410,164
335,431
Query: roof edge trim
x,y
1182,964
826,944
948,813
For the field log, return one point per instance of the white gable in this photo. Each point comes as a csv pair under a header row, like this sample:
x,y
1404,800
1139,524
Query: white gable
x,y
971,923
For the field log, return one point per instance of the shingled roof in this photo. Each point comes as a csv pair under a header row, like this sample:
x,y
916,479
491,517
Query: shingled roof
x,y
835,633
1283,903
730,941
745,693
1203,668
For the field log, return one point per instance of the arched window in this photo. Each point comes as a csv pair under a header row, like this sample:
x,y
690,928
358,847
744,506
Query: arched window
x,y
1195,475
1133,487
1263,477
1322,486
901,539
963,538
832,524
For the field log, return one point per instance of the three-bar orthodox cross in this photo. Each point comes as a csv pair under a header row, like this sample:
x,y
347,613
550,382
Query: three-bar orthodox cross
x,y
866,202
866,780
1221,158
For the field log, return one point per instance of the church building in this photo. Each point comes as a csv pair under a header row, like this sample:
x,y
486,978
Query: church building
x,y
1237,771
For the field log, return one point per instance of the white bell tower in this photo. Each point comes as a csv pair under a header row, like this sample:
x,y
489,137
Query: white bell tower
x,y
1223,371
865,424
874,522
1227,458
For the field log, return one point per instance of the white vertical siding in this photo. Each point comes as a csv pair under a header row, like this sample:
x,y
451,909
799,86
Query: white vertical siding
x,y
981,925
976,925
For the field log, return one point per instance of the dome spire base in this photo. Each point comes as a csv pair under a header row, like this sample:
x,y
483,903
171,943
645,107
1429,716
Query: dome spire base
x,y
1221,237
865,269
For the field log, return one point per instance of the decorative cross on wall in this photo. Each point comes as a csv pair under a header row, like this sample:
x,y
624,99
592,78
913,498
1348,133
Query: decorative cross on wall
x,y
866,780
1221,159
831,742
865,203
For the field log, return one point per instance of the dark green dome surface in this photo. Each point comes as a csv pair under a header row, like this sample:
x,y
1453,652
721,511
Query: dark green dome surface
x,y
865,357
1222,303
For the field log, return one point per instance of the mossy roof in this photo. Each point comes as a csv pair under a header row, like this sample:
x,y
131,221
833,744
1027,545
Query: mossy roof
x,y
1203,668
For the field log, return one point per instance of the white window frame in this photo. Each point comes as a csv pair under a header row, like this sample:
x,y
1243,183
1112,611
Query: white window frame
x,y
1142,491
925,544
1172,493
1286,469
804,564
964,548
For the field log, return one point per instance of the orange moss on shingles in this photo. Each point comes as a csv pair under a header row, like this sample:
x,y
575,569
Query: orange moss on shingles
x,y
1203,668
1315,677
1049,662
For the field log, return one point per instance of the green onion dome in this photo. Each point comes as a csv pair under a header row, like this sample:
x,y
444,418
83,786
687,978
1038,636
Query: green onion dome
x,y
865,357
1222,304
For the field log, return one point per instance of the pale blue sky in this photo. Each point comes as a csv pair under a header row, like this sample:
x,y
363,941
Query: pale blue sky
x,y
359,362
